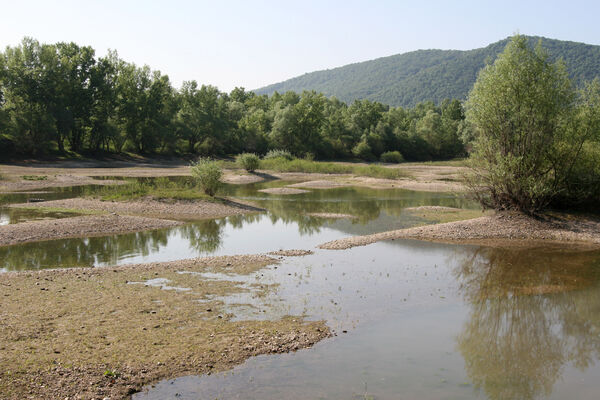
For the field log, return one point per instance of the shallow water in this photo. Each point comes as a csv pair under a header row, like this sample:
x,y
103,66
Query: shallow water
x,y
423,321
285,225
414,320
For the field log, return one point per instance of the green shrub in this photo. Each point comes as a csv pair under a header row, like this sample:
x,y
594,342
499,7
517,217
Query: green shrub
x,y
392,157
248,161
279,154
363,151
208,173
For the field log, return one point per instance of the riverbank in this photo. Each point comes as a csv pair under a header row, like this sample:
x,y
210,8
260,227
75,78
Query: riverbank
x,y
169,209
106,332
420,177
500,229
82,226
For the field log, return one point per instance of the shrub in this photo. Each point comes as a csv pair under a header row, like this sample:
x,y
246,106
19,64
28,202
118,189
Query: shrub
x,y
392,157
208,173
363,151
279,154
248,161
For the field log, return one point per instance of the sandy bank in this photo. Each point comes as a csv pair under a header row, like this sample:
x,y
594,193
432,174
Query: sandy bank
x,y
89,333
499,229
176,209
84,226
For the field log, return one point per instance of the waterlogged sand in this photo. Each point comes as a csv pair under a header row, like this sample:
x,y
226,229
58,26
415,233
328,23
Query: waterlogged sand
x,y
64,180
330,215
283,190
176,209
291,253
505,229
83,226
89,333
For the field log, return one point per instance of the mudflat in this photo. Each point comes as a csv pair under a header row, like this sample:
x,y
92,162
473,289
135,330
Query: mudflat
x,y
106,332
82,226
503,228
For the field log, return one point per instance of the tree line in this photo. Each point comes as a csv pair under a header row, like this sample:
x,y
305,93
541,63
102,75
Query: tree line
x,y
63,99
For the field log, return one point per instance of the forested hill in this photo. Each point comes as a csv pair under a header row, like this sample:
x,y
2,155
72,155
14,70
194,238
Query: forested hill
x,y
409,78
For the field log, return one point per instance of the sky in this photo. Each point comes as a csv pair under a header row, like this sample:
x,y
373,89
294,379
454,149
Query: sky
x,y
251,44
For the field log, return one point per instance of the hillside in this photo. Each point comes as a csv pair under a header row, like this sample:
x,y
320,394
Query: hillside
x,y
409,78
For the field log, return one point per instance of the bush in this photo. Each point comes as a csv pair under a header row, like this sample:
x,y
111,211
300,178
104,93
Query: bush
x,y
248,161
363,151
279,154
208,173
392,157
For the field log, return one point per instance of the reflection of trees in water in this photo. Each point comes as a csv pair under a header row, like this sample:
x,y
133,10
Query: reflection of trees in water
x,y
205,236
532,312
80,251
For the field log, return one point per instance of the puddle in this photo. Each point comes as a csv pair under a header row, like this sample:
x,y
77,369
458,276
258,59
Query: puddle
x,y
162,283
423,321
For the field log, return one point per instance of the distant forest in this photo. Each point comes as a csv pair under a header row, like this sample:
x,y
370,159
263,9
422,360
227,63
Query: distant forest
x,y
62,99
410,78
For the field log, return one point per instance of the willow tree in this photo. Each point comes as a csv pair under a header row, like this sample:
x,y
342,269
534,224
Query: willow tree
x,y
527,139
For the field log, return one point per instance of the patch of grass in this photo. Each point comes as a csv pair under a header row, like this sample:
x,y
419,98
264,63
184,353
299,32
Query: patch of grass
x,y
60,210
297,165
35,177
457,162
441,215
159,188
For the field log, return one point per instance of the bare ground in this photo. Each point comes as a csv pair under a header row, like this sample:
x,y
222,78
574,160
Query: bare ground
x,y
291,253
504,229
176,209
86,333
83,226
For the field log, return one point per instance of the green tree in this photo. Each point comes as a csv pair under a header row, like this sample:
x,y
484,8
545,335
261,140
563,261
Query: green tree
x,y
521,108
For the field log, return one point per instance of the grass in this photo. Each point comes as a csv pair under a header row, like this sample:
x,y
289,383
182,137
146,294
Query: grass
x,y
35,177
159,188
443,215
298,165
457,162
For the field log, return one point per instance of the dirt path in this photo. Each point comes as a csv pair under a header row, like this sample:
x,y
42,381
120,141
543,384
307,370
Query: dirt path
x,y
84,226
94,333
506,229
177,209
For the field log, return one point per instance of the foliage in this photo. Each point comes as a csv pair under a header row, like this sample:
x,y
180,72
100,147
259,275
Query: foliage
x,y
208,174
278,153
391,157
158,188
531,135
62,99
410,78
248,161
34,177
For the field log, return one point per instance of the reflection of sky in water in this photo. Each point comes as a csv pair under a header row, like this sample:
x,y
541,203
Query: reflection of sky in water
x,y
424,321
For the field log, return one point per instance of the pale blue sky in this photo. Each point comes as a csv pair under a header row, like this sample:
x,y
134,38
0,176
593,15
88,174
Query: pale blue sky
x,y
255,43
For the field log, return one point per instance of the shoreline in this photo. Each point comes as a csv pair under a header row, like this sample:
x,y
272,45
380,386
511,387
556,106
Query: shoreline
x,y
90,333
498,230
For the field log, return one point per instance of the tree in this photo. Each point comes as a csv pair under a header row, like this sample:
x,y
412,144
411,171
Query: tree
x,y
521,108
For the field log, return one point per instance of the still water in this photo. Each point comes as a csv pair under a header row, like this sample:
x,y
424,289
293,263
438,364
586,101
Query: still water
x,y
285,225
414,320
